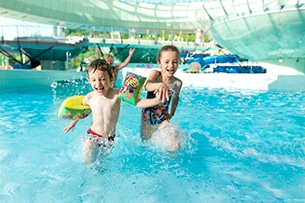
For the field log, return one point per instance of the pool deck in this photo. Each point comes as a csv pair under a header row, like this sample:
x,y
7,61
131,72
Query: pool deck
x,y
11,80
234,81
217,80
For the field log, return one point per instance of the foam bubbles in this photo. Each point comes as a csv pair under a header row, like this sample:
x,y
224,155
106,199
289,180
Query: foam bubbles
x,y
169,138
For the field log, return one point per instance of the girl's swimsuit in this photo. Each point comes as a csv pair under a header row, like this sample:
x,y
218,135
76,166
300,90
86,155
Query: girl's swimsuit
x,y
157,114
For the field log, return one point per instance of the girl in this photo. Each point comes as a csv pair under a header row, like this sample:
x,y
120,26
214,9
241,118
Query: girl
x,y
162,82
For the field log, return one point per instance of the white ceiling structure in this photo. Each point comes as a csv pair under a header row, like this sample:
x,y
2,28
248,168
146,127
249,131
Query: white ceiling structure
x,y
261,30
103,14
271,31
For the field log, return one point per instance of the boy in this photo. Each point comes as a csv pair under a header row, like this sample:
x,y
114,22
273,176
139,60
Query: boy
x,y
104,102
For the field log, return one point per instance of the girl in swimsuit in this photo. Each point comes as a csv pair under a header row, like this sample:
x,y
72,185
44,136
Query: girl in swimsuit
x,y
168,86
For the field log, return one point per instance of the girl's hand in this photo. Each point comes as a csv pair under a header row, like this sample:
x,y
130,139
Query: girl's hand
x,y
159,97
163,91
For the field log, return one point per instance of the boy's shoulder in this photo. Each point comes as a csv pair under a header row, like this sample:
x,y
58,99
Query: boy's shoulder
x,y
89,94
114,91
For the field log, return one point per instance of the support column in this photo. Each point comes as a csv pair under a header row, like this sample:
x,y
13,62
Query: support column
x,y
55,31
198,36
68,56
132,34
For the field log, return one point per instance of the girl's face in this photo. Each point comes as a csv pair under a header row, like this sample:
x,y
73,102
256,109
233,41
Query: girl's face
x,y
169,62
109,60
100,81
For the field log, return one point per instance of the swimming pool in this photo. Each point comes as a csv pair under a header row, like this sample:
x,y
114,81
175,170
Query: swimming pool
x,y
242,146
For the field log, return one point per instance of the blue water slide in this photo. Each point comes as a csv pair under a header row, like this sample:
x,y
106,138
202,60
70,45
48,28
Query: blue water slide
x,y
184,54
230,58
258,69
239,69
21,66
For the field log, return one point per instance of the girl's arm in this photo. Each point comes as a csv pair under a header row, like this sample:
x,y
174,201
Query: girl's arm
x,y
145,103
153,85
175,99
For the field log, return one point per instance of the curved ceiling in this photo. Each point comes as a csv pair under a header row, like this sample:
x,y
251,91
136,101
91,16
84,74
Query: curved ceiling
x,y
255,29
104,14
261,30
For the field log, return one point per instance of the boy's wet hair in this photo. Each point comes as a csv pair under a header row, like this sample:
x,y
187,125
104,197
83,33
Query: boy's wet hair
x,y
100,64
167,48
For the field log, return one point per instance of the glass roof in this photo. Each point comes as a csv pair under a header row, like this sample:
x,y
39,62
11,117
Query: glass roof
x,y
161,1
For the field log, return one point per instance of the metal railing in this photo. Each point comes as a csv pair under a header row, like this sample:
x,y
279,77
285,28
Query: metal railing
x,y
10,32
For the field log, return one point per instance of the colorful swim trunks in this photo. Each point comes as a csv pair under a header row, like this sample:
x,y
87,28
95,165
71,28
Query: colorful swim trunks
x,y
105,143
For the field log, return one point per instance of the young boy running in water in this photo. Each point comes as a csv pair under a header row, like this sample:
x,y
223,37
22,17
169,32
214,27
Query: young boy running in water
x,y
104,102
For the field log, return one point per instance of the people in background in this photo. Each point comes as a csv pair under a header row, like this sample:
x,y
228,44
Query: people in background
x,y
109,58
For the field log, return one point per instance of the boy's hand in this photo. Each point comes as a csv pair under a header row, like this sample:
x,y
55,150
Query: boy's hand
x,y
70,126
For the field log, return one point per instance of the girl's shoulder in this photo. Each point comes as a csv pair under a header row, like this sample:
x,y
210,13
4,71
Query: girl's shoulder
x,y
178,82
155,72
154,75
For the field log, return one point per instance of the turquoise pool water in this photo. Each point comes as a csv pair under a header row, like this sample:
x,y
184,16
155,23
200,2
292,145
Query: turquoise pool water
x,y
241,146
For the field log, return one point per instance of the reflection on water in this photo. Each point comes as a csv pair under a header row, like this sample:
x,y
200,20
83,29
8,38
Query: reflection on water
x,y
239,146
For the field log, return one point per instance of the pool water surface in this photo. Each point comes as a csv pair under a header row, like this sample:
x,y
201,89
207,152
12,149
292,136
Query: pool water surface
x,y
240,146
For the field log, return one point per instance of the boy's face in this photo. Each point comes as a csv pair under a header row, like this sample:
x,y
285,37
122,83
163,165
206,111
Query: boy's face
x,y
100,81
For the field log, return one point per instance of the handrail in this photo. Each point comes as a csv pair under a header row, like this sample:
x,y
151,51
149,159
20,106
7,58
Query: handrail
x,y
56,34
11,32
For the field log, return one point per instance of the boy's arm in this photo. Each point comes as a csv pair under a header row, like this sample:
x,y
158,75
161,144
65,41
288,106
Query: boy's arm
x,y
70,126
74,122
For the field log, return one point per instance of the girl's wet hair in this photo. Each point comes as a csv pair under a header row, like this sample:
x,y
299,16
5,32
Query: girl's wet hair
x,y
100,64
167,48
